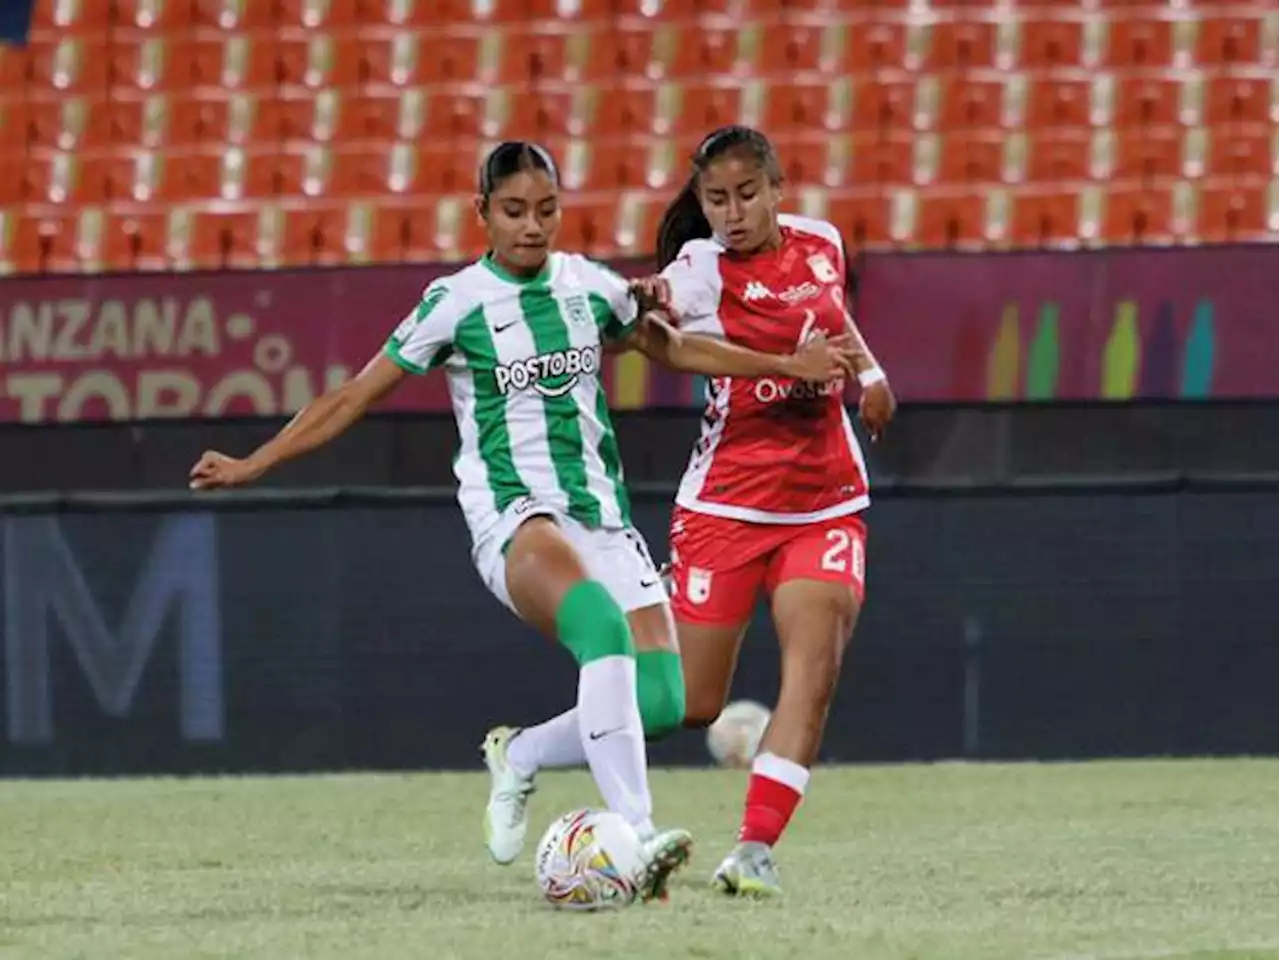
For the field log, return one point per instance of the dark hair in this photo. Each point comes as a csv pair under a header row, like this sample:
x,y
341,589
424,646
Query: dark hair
x,y
509,158
683,219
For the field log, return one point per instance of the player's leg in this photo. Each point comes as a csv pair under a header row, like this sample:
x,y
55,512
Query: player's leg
x,y
816,582
716,573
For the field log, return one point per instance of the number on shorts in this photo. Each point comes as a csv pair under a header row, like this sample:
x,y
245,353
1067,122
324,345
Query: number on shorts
x,y
843,554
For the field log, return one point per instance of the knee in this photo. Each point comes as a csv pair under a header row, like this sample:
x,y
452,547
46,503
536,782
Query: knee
x,y
701,711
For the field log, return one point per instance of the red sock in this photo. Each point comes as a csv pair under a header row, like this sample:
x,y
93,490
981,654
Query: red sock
x,y
776,788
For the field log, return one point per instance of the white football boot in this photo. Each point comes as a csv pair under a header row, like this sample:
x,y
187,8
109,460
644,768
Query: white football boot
x,y
662,855
748,871
506,818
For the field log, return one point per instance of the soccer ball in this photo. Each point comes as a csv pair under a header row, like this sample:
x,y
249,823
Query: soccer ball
x,y
588,860
735,736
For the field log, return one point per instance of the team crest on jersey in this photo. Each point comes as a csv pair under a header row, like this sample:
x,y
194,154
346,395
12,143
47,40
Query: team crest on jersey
x,y
698,587
578,309
823,269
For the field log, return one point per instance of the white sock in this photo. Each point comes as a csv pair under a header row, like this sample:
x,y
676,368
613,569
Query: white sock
x,y
555,743
613,739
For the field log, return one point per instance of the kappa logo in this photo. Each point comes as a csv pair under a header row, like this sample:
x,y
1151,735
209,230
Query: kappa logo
x,y
757,291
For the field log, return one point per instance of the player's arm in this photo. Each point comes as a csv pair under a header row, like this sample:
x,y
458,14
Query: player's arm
x,y
420,341
324,418
818,360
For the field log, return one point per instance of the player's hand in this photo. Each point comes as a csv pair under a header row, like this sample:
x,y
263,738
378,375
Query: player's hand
x,y
651,293
820,360
214,470
876,408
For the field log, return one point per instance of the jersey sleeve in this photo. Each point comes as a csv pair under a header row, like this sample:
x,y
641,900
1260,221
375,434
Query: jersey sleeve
x,y
694,277
424,338
614,308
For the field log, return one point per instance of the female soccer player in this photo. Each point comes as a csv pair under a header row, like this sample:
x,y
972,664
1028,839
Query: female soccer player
x,y
519,335
771,495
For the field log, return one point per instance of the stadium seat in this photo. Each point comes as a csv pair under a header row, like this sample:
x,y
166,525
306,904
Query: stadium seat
x,y
887,158
1057,156
135,239
42,240
234,14
1231,39
973,157
950,219
319,14
1146,153
1243,152
876,45
962,45
972,101
1139,42
69,66
1052,42
1043,216
1237,212
1147,99
66,17
862,215
1137,213
1240,97
1060,101
888,104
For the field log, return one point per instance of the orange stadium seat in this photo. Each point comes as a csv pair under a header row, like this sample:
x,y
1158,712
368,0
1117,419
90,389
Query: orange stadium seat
x,y
1055,156
1146,153
1237,212
973,157
877,45
1044,216
972,102
1052,42
68,65
1055,101
234,14
887,104
861,215
1239,97
64,16
949,219
962,45
1146,99
319,14
887,158
1247,152
135,239
1230,39
1137,41
1137,212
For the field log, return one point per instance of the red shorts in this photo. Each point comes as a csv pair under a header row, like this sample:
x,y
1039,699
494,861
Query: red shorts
x,y
719,566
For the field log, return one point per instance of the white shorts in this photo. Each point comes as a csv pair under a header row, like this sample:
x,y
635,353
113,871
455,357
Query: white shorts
x,y
617,558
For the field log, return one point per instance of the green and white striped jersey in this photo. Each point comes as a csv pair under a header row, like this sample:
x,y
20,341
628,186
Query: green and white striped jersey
x,y
523,362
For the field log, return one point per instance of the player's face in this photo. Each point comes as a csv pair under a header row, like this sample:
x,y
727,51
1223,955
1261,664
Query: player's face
x,y
739,202
522,220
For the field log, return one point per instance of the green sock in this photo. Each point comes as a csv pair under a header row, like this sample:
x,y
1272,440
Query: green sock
x,y
660,690
592,625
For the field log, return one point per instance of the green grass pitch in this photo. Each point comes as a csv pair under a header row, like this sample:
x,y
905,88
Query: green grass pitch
x,y
1115,860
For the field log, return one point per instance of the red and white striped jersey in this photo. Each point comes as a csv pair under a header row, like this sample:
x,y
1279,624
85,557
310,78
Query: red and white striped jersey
x,y
772,450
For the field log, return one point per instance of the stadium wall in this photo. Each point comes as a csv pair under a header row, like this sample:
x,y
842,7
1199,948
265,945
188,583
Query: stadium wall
x,y
308,631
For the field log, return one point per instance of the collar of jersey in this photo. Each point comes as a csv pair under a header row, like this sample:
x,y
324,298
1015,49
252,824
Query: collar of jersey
x,y
499,271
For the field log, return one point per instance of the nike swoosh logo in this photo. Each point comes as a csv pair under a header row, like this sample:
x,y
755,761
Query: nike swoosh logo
x,y
646,584
506,326
601,734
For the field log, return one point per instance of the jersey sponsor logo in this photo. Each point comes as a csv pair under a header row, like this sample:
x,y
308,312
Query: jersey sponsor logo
x,y
757,291
548,374
430,300
824,270
769,390
800,293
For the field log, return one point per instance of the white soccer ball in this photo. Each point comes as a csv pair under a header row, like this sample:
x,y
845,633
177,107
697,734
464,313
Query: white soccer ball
x,y
735,737
588,860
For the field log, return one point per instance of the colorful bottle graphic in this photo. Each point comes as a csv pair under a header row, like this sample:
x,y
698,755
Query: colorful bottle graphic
x,y
1042,356
1160,356
1122,355
1197,360
1002,360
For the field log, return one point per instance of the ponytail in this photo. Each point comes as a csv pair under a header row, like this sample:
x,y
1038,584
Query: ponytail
x,y
682,221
